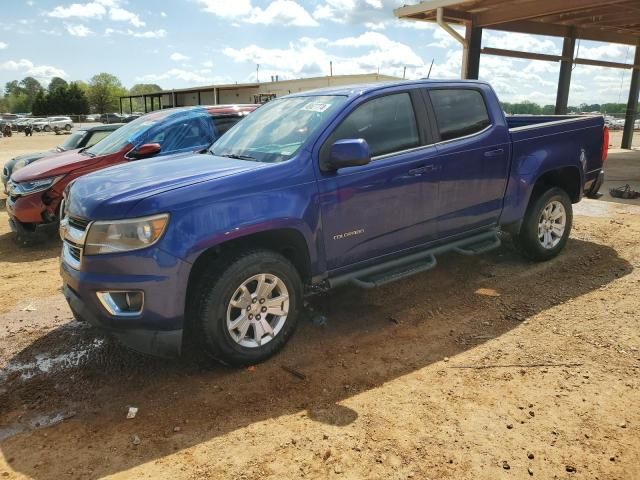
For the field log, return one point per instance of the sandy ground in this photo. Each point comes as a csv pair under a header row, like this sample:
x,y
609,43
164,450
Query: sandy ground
x,y
434,377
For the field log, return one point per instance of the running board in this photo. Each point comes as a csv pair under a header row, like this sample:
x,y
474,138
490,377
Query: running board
x,y
398,268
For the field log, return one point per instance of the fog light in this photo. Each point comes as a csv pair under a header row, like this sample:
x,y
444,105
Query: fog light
x,y
122,303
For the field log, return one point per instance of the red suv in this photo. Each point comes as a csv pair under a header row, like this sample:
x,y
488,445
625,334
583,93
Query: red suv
x,y
36,190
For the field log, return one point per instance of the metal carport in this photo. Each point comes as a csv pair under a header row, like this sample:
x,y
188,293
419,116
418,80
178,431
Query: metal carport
x,y
615,21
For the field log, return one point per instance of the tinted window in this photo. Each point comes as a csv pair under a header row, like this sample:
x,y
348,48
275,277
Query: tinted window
x,y
388,124
459,112
225,123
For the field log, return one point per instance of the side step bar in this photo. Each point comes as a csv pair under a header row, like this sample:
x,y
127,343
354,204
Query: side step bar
x,y
398,268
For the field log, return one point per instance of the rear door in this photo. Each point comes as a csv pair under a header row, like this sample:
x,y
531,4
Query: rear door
x,y
389,204
473,150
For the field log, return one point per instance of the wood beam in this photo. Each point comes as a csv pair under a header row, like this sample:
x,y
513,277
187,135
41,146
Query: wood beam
x,y
518,54
534,9
539,28
603,63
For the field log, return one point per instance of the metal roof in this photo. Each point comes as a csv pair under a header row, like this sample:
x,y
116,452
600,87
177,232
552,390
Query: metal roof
x,y
616,21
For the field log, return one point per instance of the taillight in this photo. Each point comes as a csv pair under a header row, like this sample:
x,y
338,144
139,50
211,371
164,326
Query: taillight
x,y
605,143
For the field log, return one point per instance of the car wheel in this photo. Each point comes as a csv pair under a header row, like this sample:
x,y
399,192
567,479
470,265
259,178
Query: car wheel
x,y
248,308
67,127
47,128
546,225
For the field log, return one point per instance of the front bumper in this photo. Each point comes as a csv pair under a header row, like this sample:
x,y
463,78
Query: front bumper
x,y
158,329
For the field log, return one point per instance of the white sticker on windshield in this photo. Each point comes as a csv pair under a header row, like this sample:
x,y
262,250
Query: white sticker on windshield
x,y
316,107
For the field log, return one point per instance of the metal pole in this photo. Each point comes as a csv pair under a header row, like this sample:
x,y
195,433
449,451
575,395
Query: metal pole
x,y
199,100
564,79
144,99
120,105
632,103
130,105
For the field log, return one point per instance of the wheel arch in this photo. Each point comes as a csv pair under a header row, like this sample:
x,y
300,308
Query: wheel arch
x,y
287,241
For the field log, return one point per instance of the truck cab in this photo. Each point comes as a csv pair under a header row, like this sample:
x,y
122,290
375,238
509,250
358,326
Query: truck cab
x,y
358,185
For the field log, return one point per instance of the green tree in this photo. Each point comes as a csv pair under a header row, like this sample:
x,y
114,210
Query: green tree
x,y
40,107
11,88
77,101
140,89
104,92
56,83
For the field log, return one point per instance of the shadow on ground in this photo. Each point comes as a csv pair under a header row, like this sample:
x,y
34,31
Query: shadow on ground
x,y
371,337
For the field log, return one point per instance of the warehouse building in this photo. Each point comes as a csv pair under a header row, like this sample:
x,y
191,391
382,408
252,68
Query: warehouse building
x,y
243,92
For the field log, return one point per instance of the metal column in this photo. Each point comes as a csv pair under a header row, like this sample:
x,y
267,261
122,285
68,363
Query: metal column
x,y
474,39
199,101
564,79
120,105
130,105
632,103
144,99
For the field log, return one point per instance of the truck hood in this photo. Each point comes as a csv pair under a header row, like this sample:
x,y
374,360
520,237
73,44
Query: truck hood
x,y
111,193
54,165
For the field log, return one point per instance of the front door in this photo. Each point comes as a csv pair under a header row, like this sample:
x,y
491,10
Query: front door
x,y
388,205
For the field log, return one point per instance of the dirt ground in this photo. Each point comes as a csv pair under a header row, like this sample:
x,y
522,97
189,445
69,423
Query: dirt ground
x,y
487,367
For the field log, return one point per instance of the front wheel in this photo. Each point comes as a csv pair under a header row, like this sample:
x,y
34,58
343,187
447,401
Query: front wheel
x,y
47,128
249,308
546,225
67,127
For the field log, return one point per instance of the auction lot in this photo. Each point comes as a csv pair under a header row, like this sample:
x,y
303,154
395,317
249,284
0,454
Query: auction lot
x,y
484,368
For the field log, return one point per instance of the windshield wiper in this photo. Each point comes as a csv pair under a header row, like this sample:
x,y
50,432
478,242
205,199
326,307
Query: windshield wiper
x,y
235,156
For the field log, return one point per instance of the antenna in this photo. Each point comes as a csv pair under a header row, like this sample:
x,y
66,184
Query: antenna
x,y
430,67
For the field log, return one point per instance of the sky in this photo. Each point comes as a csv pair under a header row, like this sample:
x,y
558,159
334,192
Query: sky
x,y
184,43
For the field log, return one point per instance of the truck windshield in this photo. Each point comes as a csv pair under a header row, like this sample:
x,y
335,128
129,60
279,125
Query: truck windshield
x,y
72,141
122,137
275,132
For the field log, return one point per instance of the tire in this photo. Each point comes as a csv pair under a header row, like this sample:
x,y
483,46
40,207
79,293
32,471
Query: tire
x,y
215,316
535,244
67,127
46,128
594,191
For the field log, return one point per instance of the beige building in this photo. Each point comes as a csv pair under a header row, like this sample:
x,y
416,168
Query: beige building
x,y
244,92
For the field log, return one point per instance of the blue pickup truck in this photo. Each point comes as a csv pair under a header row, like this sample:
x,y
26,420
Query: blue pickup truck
x,y
357,185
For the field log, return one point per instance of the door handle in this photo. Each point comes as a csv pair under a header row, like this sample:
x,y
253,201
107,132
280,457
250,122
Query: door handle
x,y
416,172
494,153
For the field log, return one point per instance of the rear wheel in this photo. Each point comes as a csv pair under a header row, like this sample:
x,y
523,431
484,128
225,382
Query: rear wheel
x,y
248,308
47,128
67,127
546,225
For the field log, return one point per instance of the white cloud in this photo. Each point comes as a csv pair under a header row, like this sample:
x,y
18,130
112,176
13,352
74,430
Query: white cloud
x,y
161,33
43,73
178,57
78,30
97,10
208,64
3,45
177,74
82,10
522,42
310,57
163,14
357,12
118,14
278,12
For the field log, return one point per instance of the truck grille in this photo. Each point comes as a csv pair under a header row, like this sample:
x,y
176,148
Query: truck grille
x,y
78,223
73,231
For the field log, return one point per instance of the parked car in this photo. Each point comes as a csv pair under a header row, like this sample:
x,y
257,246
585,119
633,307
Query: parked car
x,y
357,185
23,122
35,191
51,123
111,118
87,137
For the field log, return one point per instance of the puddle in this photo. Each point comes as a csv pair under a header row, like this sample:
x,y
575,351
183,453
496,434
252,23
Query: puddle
x,y
44,363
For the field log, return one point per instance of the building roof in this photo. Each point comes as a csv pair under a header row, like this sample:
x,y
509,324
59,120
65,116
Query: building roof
x,y
616,21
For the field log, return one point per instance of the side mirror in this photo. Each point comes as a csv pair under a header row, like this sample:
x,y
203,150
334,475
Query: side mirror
x,y
146,150
350,152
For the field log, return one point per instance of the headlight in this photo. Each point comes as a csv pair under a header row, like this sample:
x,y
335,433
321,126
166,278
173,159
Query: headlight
x,y
124,235
20,164
27,188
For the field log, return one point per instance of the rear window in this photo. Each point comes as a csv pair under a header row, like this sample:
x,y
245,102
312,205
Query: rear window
x,y
225,123
459,112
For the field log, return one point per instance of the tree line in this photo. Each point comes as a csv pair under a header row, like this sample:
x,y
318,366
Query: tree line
x,y
530,108
100,95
